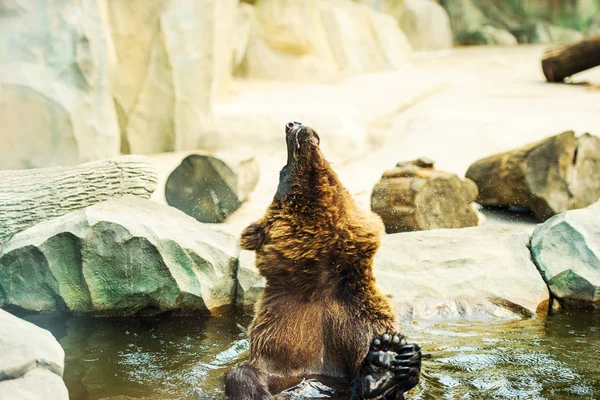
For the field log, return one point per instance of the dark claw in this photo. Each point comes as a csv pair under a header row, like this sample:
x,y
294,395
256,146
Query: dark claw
x,y
409,348
392,367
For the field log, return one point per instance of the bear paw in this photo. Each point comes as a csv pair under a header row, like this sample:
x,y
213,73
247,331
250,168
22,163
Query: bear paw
x,y
392,367
252,237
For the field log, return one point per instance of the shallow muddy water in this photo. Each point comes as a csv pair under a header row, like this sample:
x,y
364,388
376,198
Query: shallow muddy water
x,y
555,357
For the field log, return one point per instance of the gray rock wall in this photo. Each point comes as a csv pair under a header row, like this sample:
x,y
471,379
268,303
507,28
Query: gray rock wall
x,y
55,97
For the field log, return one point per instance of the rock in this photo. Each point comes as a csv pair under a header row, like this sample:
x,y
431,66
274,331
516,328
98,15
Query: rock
x,y
225,30
469,273
548,177
566,249
426,25
244,18
488,22
541,32
55,59
288,41
119,257
317,41
594,28
173,57
573,14
31,361
395,8
249,283
363,40
210,187
414,196
30,196
475,25
488,35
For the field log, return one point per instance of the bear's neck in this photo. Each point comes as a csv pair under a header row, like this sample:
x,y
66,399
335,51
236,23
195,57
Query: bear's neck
x,y
313,186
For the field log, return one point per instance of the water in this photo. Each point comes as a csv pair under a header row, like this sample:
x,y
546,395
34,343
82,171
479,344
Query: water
x,y
553,357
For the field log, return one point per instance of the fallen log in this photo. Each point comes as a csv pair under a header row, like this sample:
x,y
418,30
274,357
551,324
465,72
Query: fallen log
x,y
211,187
569,59
30,196
414,196
548,177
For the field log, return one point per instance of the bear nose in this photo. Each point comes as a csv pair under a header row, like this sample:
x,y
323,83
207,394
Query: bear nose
x,y
291,125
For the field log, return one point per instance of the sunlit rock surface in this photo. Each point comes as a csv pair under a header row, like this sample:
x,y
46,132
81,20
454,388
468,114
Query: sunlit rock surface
x,y
172,56
56,106
31,361
468,273
448,274
566,249
122,256
316,40
427,25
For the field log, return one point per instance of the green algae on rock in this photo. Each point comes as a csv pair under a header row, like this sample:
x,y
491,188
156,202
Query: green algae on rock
x,y
566,250
122,256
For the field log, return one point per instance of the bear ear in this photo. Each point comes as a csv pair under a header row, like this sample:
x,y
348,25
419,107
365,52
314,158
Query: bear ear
x,y
318,138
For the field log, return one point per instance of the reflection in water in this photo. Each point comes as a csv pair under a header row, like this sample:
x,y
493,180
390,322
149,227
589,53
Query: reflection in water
x,y
557,357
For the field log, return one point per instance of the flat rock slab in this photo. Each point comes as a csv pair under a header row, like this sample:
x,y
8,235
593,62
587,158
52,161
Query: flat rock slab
x,y
469,273
31,361
448,274
566,249
119,257
351,116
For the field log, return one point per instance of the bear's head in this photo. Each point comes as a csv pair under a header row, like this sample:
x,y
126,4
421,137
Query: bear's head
x,y
305,162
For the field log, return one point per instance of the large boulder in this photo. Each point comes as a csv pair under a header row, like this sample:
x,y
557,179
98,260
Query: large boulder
x,y
56,106
427,25
317,41
31,361
566,249
448,274
469,273
173,56
121,256
30,196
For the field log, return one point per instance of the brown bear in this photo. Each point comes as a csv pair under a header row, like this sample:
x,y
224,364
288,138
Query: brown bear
x,y
321,313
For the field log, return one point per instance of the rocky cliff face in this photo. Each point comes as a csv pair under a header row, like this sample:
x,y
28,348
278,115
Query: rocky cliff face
x,y
89,79
172,56
55,97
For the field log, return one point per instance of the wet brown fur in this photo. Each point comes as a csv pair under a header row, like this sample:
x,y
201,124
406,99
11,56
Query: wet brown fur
x,y
320,308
